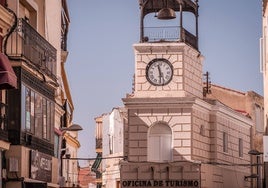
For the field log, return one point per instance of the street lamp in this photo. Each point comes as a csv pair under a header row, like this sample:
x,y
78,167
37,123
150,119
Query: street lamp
x,y
252,176
72,128
258,176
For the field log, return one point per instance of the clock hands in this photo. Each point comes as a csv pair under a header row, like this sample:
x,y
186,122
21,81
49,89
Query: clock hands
x,y
159,72
160,75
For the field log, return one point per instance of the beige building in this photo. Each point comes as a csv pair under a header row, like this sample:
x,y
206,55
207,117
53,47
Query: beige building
x,y
8,80
33,37
174,135
264,58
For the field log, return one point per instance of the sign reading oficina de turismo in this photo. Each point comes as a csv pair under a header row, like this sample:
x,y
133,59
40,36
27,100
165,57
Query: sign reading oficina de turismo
x,y
160,183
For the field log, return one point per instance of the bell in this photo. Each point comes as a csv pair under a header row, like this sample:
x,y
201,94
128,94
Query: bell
x,y
166,14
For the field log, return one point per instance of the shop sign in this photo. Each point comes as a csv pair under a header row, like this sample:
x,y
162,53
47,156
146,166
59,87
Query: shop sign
x,y
160,183
40,166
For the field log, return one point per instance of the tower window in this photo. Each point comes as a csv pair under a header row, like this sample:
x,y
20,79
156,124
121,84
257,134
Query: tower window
x,y
225,142
159,143
240,147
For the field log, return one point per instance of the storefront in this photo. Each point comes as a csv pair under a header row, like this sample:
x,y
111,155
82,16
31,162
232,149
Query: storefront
x,y
159,175
30,168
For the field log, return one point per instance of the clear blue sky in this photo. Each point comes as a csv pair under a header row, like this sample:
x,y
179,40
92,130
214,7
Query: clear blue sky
x,y
100,64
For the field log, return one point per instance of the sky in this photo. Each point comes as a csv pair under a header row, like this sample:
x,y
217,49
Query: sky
x,y
100,64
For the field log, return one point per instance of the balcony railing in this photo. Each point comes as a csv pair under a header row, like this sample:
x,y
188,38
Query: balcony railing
x,y
169,34
28,44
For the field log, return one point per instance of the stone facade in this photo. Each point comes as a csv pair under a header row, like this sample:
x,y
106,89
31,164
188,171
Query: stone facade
x,y
186,61
197,137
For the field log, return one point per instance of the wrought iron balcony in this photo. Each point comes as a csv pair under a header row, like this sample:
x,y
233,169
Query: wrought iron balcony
x,y
169,34
25,43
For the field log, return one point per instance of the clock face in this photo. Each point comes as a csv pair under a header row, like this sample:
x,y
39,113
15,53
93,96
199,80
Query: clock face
x,y
159,72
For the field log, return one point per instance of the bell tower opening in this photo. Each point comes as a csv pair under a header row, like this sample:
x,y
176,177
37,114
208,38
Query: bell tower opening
x,y
169,21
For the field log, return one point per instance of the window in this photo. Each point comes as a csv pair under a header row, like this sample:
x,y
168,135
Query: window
x,y
29,13
225,142
29,109
37,114
259,118
202,130
159,143
44,113
56,145
240,147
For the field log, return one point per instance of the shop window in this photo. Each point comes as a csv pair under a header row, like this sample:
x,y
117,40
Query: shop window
x,y
159,143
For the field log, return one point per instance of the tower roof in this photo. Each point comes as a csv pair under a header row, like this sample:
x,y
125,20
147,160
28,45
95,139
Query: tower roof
x,y
150,6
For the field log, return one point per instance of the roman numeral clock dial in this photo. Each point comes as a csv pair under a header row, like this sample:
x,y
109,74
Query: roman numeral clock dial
x,y
159,72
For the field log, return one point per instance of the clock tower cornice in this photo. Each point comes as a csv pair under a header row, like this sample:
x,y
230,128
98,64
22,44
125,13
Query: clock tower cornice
x,y
164,48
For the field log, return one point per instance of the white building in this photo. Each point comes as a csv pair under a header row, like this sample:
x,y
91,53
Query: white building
x,y
112,146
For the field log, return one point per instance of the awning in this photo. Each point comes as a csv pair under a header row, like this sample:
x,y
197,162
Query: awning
x,y
8,78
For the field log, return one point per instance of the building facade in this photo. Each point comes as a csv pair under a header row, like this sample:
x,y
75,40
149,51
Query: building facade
x,y
8,80
263,63
113,144
264,57
34,40
69,168
174,136
96,166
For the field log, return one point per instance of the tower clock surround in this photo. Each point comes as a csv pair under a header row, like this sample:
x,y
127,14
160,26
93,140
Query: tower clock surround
x,y
184,63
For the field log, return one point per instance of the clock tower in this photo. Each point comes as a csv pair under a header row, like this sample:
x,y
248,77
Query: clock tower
x,y
167,84
173,137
